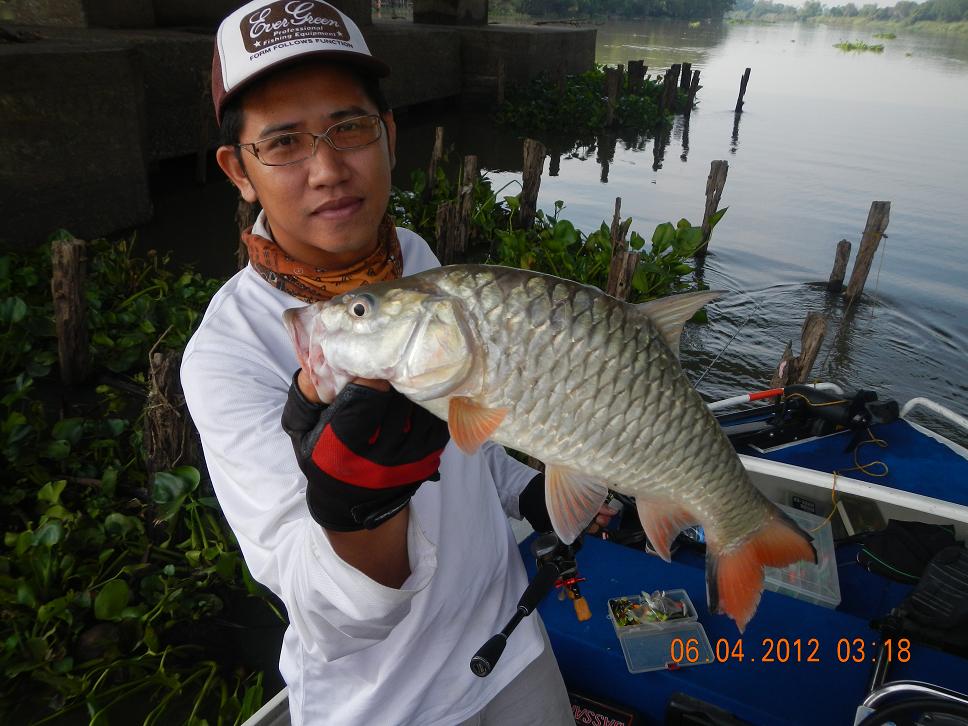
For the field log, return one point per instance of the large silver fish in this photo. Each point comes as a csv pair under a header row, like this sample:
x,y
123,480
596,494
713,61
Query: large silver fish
x,y
589,385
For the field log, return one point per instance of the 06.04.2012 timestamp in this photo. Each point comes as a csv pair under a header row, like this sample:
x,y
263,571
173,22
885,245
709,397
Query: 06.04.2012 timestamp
x,y
792,650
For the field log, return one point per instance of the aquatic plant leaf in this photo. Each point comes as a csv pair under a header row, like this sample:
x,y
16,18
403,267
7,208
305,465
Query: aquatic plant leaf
x,y
112,600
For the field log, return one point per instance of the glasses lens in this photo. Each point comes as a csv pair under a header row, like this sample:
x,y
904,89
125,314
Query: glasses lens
x,y
355,132
285,148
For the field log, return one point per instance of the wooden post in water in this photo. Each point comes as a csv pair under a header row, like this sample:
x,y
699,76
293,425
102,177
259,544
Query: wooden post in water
x,y
613,81
693,90
714,192
446,227
70,311
672,86
466,203
636,76
796,369
877,220
836,281
623,261
168,431
436,155
501,80
685,77
742,90
534,155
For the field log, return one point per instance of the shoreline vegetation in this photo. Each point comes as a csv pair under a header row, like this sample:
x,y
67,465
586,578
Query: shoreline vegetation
x,y
932,16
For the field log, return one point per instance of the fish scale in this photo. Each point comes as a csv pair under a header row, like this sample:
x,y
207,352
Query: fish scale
x,y
577,379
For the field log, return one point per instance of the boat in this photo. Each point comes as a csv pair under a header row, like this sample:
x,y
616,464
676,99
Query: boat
x,y
830,643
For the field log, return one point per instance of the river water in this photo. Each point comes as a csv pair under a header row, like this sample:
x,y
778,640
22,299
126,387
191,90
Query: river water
x,y
823,134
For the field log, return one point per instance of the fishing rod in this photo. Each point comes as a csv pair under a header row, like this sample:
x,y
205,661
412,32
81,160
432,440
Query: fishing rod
x,y
556,567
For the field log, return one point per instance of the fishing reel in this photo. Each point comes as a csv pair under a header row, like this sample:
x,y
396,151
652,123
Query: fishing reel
x,y
824,412
556,568
546,549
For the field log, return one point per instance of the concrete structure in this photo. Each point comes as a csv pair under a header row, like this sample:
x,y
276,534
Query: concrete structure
x,y
450,12
90,102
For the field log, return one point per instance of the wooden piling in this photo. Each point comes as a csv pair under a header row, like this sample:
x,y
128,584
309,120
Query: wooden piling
x,y
742,90
606,153
796,369
169,437
672,87
466,203
554,162
685,77
70,310
714,192
436,155
613,82
659,145
636,76
624,261
693,90
877,219
665,94
534,155
446,228
836,281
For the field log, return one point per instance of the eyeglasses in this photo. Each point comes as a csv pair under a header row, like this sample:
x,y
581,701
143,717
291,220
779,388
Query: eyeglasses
x,y
296,146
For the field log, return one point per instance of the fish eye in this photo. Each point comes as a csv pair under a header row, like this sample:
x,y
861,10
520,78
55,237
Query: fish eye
x,y
360,305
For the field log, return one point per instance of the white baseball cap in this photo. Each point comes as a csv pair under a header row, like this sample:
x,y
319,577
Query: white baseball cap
x,y
262,36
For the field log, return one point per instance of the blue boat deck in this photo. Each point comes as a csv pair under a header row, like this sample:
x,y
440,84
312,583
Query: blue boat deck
x,y
759,691
915,463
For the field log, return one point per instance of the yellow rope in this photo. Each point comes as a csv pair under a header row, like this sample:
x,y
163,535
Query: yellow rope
x,y
858,467
816,405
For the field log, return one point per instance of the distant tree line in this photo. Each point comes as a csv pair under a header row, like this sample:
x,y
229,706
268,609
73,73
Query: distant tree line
x,y
946,11
687,9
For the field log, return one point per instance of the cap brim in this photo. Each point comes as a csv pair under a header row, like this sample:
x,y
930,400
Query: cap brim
x,y
360,61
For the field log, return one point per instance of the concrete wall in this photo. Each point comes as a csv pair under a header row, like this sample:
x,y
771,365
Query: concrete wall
x,y
527,52
450,12
425,62
72,152
85,111
81,13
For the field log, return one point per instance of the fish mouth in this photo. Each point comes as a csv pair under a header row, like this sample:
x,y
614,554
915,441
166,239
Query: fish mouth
x,y
324,378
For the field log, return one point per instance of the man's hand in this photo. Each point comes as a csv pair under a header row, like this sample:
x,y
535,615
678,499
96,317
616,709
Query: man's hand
x,y
364,455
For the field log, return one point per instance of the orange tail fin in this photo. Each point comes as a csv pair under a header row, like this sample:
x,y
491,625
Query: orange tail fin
x,y
734,577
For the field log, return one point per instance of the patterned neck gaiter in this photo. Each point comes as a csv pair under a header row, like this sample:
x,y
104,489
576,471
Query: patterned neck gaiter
x,y
312,284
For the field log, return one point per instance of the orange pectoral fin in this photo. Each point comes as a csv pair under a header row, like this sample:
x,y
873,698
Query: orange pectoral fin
x,y
734,577
470,424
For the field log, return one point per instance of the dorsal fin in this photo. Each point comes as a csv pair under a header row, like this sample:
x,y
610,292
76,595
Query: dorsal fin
x,y
670,313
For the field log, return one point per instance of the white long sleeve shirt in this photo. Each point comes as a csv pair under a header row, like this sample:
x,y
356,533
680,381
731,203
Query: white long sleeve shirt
x,y
355,650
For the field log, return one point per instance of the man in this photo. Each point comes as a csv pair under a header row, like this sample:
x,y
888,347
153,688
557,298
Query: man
x,y
391,580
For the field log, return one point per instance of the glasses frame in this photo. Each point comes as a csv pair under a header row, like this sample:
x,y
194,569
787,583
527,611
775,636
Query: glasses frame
x,y
251,146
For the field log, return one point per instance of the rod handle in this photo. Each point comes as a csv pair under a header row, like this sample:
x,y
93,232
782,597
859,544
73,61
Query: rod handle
x,y
486,658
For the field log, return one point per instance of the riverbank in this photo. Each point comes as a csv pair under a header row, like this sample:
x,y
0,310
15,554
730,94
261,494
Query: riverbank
x,y
934,27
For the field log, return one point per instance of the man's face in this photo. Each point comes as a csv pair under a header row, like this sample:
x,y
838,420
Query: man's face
x,y
326,210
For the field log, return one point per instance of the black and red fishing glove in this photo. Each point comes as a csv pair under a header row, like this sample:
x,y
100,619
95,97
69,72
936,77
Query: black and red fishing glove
x,y
364,455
